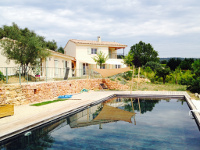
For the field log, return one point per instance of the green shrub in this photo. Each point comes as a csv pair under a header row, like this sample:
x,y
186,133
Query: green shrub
x,y
186,78
123,82
119,79
112,79
2,77
127,75
194,86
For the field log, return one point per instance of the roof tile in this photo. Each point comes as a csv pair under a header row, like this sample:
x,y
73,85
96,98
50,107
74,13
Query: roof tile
x,y
86,42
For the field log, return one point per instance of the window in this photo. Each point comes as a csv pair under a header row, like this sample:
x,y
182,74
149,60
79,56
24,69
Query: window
x,y
117,66
93,50
103,66
85,68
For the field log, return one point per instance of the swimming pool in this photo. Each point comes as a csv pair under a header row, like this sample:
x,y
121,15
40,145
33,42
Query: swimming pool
x,y
118,123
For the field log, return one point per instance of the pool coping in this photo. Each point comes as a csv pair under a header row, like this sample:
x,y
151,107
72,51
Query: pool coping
x,y
153,94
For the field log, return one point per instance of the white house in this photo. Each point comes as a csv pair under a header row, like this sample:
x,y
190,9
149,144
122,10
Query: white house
x,y
53,66
84,50
7,65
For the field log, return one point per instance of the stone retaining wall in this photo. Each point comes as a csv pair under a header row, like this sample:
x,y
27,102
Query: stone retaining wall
x,y
36,92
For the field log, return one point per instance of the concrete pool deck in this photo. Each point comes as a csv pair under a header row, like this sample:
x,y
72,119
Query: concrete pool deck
x,y
27,117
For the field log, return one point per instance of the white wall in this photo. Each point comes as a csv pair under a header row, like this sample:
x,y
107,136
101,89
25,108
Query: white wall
x,y
9,64
83,53
70,49
4,62
56,66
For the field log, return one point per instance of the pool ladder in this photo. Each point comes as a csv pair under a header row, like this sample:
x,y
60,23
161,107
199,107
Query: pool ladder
x,y
193,111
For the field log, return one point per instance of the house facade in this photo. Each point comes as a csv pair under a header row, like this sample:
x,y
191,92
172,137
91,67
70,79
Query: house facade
x,y
85,50
6,65
4,62
54,66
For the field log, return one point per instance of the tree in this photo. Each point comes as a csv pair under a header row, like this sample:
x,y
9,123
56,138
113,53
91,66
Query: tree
x,y
173,63
11,32
128,59
196,67
195,84
186,64
163,72
61,50
163,61
186,78
52,45
176,73
100,58
143,53
153,65
23,46
15,33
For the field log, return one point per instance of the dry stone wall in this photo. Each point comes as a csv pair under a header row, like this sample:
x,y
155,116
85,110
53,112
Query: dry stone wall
x,y
36,92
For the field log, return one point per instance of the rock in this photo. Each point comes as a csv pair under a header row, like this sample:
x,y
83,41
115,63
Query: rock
x,y
31,93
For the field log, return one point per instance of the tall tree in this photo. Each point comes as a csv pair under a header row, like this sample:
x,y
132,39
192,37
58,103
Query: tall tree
x,y
15,33
143,53
173,63
11,32
100,59
23,46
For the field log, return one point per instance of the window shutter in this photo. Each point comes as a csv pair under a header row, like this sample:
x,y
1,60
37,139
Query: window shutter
x,y
89,51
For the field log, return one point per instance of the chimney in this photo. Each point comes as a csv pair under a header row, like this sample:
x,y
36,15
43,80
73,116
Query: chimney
x,y
98,39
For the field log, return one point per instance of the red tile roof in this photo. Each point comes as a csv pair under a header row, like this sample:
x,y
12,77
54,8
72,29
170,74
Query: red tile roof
x,y
103,43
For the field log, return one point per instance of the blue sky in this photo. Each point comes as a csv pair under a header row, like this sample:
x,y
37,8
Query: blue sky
x,y
171,27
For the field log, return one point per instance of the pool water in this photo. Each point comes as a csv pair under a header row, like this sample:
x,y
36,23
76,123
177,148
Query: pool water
x,y
119,123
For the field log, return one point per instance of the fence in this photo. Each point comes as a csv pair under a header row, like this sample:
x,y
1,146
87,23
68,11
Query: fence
x,y
10,75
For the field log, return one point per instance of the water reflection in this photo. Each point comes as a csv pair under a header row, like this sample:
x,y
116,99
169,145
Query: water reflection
x,y
116,109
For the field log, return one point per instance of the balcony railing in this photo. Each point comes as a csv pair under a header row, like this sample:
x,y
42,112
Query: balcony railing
x,y
116,56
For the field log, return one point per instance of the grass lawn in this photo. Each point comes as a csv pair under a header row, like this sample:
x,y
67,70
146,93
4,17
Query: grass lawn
x,y
147,86
48,102
158,87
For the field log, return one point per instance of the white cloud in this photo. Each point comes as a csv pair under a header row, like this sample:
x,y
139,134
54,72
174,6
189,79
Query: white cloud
x,y
127,20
